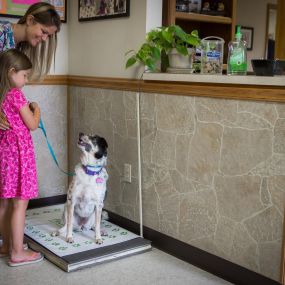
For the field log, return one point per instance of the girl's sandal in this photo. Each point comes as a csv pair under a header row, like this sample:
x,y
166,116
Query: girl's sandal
x,y
34,258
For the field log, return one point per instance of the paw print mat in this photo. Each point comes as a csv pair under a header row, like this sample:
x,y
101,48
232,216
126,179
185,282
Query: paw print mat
x,y
117,241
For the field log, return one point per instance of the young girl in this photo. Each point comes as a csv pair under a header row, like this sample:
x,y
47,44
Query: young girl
x,y
18,178
35,34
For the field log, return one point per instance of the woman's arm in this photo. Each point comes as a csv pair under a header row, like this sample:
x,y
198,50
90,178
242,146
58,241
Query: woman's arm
x,y
4,125
31,115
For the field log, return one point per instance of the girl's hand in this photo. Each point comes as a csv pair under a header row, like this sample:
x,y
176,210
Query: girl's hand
x,y
4,125
33,106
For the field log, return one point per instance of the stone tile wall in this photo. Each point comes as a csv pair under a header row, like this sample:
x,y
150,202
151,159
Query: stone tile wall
x,y
213,169
53,103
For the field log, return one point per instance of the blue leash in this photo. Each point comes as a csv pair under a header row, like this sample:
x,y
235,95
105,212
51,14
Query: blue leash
x,y
41,126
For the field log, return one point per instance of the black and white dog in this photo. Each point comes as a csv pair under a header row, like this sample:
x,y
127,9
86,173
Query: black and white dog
x,y
86,193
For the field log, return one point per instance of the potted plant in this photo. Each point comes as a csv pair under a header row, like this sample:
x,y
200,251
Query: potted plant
x,y
161,44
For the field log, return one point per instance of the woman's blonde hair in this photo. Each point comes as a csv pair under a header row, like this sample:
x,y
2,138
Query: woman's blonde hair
x,y
11,59
41,55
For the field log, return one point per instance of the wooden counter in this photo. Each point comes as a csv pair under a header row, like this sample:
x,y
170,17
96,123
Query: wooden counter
x,y
256,88
217,79
251,87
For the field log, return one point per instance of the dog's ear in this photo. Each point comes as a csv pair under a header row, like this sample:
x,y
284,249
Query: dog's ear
x,y
102,145
104,142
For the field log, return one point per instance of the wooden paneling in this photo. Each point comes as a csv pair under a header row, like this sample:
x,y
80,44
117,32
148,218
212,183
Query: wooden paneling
x,y
207,25
213,90
280,36
168,12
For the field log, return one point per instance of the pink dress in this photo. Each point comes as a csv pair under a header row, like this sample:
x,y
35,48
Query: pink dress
x,y
18,176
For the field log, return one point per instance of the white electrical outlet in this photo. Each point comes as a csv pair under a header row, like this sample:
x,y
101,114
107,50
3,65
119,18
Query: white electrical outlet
x,y
127,173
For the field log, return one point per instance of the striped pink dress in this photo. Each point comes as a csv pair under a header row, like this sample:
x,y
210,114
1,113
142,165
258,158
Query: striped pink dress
x,y
18,176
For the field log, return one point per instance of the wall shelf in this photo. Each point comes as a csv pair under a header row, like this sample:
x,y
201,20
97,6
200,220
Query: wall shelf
x,y
203,18
206,25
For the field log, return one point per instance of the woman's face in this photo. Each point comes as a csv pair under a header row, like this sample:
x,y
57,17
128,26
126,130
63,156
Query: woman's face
x,y
37,33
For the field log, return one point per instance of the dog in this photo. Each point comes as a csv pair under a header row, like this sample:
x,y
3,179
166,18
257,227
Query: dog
x,y
86,192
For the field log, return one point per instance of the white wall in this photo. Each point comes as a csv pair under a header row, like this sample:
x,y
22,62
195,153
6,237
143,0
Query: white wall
x,y
153,14
61,57
97,48
253,14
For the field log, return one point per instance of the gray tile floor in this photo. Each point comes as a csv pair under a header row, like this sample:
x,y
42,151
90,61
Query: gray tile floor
x,y
151,268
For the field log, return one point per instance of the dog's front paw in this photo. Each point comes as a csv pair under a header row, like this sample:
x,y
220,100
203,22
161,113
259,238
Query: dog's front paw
x,y
69,239
54,234
99,240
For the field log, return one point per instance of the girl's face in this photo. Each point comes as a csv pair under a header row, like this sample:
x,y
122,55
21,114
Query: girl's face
x,y
19,78
36,33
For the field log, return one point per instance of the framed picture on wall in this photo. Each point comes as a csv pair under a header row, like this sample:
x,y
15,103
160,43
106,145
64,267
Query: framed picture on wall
x,y
17,8
247,33
89,10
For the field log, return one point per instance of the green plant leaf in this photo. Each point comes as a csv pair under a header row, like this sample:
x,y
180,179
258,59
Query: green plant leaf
x,y
156,53
180,33
150,64
158,43
131,61
152,35
195,34
182,49
167,35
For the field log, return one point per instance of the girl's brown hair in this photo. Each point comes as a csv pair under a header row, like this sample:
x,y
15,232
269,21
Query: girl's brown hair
x,y
11,59
41,55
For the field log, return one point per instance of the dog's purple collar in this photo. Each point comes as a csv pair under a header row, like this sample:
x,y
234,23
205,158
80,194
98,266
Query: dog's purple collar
x,y
91,172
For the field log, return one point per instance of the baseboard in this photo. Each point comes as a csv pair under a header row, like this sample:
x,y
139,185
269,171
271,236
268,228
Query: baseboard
x,y
47,201
218,266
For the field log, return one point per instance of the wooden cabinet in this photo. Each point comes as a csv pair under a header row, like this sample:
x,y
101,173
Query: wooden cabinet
x,y
207,25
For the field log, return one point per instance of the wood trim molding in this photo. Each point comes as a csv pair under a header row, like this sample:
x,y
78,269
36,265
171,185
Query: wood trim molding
x,y
52,80
212,90
123,84
222,91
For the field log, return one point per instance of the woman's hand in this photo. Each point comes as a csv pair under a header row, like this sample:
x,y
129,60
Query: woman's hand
x,y
4,125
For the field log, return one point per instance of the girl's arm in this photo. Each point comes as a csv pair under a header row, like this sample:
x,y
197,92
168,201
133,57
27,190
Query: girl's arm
x,y
31,115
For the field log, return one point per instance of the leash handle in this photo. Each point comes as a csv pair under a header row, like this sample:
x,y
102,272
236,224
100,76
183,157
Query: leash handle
x,y
41,126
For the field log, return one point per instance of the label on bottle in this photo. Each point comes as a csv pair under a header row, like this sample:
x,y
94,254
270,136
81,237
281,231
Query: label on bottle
x,y
237,62
213,55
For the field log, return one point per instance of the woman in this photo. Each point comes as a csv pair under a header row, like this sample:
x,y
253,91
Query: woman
x,y
35,34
